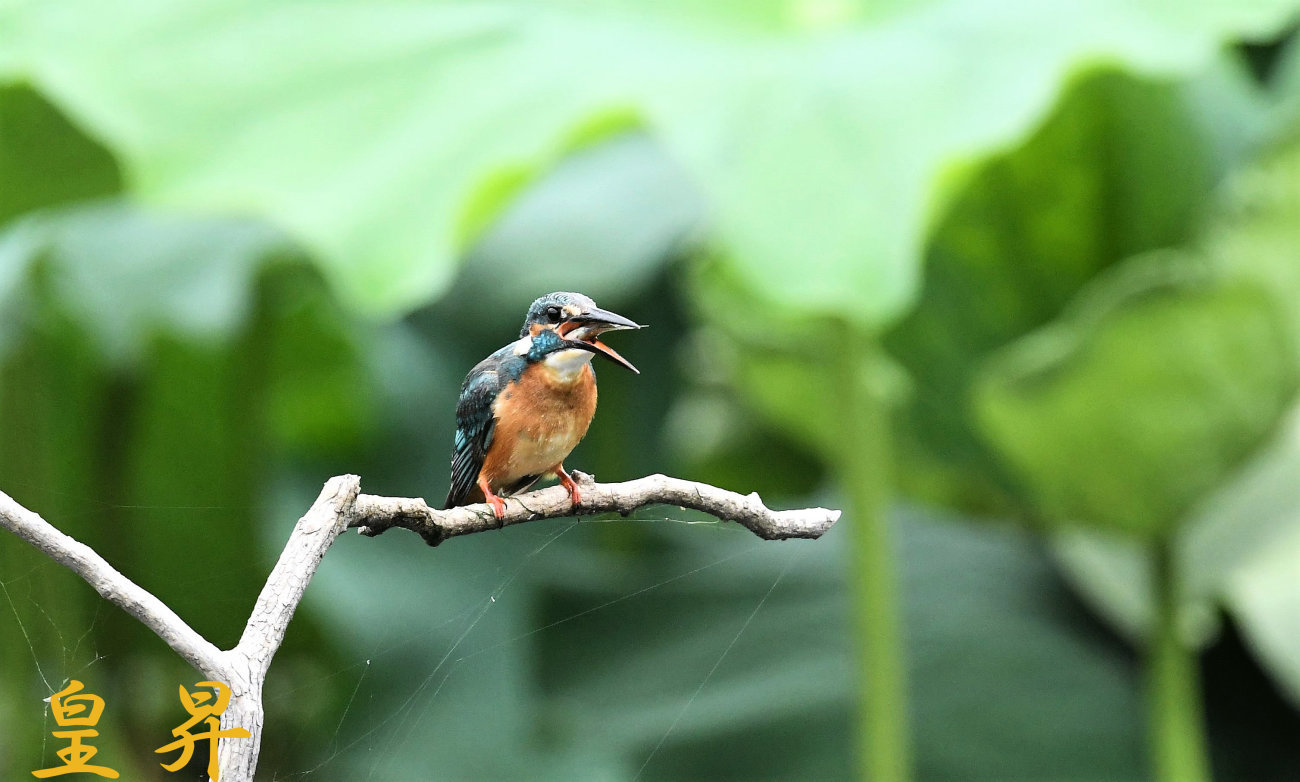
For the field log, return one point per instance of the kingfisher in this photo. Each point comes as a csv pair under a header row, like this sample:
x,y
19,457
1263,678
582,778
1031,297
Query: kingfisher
x,y
523,409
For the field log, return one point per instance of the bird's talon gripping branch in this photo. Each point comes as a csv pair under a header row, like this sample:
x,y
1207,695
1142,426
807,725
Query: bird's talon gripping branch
x,y
498,504
567,482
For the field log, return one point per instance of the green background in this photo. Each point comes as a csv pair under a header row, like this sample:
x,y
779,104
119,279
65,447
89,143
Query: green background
x,y
1025,274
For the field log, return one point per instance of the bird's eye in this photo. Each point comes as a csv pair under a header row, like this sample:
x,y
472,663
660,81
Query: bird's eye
x,y
553,314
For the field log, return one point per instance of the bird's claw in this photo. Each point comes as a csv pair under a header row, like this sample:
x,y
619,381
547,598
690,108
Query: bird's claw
x,y
498,507
567,482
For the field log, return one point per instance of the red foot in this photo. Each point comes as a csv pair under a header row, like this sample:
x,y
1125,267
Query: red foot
x,y
567,482
498,504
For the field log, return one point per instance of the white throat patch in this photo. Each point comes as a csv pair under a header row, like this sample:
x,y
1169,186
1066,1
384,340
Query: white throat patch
x,y
566,364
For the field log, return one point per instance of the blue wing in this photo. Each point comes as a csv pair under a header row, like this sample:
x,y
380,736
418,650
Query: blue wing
x,y
475,423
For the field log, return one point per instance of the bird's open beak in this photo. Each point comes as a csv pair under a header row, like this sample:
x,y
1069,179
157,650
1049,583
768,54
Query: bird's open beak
x,y
587,327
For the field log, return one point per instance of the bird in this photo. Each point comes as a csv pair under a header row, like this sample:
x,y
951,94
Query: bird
x,y
522,409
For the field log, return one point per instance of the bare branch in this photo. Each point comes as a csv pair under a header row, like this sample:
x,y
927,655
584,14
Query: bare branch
x,y
312,536
114,587
340,506
374,514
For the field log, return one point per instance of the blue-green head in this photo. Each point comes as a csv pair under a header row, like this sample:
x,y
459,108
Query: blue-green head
x,y
563,321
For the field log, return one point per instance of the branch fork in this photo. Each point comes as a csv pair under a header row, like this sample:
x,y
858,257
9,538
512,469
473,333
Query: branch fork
x,y
341,506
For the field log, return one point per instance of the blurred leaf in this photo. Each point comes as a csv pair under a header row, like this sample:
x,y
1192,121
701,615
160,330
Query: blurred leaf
x,y
580,658
1285,91
1112,574
603,222
779,698
717,439
159,366
784,388
50,396
44,159
1256,230
426,700
1121,166
126,274
321,395
821,203
188,462
365,130
1237,551
1257,511
1232,111
754,15
1142,400
1009,683
372,171
785,368
1253,509
1265,599
1243,549
1258,236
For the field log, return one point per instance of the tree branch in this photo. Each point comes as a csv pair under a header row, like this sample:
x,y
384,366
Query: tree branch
x,y
375,515
114,587
251,658
340,506
312,536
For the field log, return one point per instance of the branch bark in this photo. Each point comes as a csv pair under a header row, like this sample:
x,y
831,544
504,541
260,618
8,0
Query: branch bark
x,y
378,514
341,506
312,536
113,587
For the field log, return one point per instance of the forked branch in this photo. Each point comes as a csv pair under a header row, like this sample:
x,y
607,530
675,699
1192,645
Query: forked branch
x,y
339,507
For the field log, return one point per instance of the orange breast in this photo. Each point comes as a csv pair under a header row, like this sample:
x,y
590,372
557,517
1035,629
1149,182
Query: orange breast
x,y
540,420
